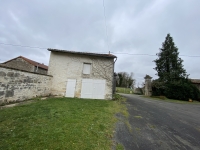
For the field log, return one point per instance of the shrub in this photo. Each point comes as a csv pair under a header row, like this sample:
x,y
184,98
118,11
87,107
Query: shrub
x,y
117,97
157,88
181,90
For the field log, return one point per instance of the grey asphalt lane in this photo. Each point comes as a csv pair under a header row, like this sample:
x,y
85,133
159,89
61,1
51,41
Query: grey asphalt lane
x,y
159,125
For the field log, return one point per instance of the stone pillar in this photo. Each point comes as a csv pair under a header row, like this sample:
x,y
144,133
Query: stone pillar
x,y
148,88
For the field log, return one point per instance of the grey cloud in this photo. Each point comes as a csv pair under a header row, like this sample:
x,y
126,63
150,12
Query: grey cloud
x,y
137,27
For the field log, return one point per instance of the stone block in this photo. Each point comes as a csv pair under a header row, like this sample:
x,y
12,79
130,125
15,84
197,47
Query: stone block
x,y
17,75
10,74
9,93
2,74
2,93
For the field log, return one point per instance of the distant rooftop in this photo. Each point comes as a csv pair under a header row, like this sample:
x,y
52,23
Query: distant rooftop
x,y
31,62
197,81
83,53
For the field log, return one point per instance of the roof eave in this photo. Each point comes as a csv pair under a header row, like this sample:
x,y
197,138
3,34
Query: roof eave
x,y
81,53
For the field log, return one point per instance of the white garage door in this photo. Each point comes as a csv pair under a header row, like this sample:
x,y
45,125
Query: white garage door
x,y
86,89
70,89
93,89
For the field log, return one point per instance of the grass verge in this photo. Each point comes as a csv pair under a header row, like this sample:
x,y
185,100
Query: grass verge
x,y
60,123
171,100
119,147
124,90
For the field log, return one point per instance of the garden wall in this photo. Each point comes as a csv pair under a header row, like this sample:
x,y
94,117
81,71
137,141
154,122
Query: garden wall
x,y
18,85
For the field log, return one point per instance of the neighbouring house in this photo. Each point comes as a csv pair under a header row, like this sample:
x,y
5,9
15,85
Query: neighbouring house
x,y
82,74
26,64
196,82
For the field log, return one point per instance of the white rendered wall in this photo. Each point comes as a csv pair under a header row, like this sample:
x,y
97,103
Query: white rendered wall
x,y
63,66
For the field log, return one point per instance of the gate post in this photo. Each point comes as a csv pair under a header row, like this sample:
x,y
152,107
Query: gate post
x,y
148,88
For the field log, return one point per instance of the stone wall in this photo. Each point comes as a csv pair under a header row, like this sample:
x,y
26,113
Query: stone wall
x,y
17,85
40,70
64,66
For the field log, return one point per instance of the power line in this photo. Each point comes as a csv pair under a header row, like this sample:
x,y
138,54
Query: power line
x,y
23,46
104,8
133,54
37,47
96,52
153,55
189,55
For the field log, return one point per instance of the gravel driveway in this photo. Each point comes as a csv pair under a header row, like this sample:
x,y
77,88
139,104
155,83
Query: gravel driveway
x,y
159,125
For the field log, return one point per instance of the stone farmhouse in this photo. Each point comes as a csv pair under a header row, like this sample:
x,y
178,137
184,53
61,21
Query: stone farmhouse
x,y
26,64
70,74
81,74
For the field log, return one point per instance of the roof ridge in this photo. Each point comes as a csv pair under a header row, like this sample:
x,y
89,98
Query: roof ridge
x,y
35,63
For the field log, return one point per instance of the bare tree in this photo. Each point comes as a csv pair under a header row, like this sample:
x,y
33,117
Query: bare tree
x,y
125,80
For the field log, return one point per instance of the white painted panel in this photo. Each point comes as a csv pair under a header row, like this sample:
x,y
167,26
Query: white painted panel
x,y
86,68
86,89
70,89
98,89
93,89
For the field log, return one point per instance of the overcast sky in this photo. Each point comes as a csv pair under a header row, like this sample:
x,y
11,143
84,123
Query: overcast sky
x,y
134,26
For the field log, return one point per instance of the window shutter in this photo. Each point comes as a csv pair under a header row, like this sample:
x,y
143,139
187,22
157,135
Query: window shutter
x,y
86,68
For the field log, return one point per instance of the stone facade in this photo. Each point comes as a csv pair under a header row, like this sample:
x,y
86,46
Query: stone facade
x,y
40,70
63,66
17,85
22,64
147,87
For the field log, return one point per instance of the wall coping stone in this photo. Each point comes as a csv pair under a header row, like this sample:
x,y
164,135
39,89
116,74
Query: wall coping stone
x,y
1,66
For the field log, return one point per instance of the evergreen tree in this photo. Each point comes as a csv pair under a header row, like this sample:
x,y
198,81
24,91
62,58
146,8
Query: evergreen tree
x,y
169,65
173,81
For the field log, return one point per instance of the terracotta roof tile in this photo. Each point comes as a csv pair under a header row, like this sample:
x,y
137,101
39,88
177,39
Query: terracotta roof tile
x,y
34,63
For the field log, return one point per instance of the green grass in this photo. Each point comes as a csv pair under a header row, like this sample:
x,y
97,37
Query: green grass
x,y
171,100
140,117
59,123
119,147
124,90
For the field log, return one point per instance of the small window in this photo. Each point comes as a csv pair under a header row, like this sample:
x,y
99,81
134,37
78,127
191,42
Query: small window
x,y
86,68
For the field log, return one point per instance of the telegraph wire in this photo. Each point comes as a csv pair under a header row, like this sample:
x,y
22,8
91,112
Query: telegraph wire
x,y
134,54
189,55
36,47
152,54
23,46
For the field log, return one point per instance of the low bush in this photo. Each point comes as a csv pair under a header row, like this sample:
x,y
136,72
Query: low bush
x,y
180,90
117,97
